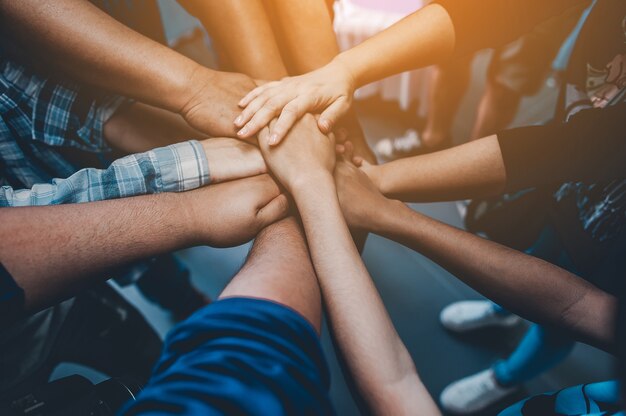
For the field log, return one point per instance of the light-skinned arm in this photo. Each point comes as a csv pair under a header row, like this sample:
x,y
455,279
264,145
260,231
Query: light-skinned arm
x,y
175,168
80,40
469,170
54,251
428,36
588,147
423,38
275,39
378,361
528,286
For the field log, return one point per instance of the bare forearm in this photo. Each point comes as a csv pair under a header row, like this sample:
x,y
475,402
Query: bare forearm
x,y
467,171
51,251
533,288
78,38
425,37
378,360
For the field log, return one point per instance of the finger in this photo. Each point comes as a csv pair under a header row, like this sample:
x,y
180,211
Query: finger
x,y
289,115
332,138
255,93
261,119
275,210
342,135
358,161
349,153
332,114
339,149
255,106
263,137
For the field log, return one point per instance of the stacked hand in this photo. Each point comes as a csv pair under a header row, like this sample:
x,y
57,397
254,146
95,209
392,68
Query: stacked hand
x,y
328,91
232,213
307,155
212,102
361,202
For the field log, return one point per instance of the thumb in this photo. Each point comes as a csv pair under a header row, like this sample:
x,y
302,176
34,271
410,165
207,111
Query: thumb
x,y
275,210
332,114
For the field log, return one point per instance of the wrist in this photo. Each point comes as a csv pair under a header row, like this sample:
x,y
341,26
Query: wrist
x,y
345,68
188,211
195,80
387,216
375,174
304,184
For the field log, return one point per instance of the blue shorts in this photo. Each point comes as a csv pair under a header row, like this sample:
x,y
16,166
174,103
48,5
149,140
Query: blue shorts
x,y
239,356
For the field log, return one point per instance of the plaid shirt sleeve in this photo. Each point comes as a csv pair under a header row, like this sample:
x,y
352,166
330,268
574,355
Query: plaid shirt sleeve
x,y
175,168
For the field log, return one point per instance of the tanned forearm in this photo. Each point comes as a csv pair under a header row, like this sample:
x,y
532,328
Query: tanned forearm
x,y
54,251
50,251
528,286
376,357
470,170
81,40
423,38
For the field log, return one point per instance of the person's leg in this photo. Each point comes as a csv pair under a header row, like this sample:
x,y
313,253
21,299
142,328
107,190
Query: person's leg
x,y
279,268
243,36
449,84
541,349
496,110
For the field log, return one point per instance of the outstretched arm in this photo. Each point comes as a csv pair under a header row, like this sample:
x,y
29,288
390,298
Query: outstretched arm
x,y
52,252
175,168
425,37
79,39
376,357
528,286
589,147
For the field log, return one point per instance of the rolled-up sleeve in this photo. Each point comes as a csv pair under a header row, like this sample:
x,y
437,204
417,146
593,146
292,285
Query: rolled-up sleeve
x,y
175,168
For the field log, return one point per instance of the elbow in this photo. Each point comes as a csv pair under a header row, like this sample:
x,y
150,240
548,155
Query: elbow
x,y
591,318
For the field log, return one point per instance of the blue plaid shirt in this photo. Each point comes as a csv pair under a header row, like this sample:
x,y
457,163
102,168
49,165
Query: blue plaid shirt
x,y
175,168
42,117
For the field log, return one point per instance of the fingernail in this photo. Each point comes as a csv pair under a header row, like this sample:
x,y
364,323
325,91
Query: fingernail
x,y
273,139
242,132
238,120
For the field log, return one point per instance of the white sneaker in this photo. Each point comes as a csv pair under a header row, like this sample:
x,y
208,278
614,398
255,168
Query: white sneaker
x,y
469,315
473,394
396,147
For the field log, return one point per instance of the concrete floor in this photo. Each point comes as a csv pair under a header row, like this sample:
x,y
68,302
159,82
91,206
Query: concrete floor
x,y
413,288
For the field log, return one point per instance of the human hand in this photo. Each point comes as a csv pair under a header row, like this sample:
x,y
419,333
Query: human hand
x,y
361,202
212,102
231,159
348,152
231,213
307,155
349,128
327,90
